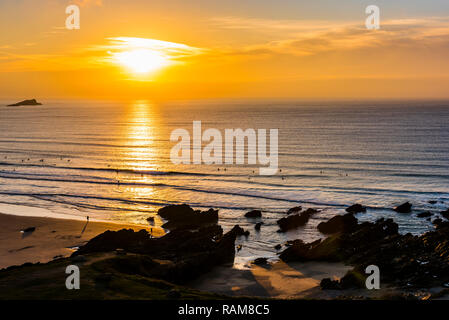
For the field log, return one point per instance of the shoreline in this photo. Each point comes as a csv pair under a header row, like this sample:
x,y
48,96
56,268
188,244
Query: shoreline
x,y
56,238
196,256
53,237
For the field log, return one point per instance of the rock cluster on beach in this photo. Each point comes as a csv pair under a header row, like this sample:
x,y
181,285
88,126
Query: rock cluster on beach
x,y
345,223
404,208
194,245
404,260
356,208
184,216
124,260
177,257
254,214
295,220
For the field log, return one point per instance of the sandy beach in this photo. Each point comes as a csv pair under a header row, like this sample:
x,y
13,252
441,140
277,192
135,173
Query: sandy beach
x,y
279,280
55,238
52,237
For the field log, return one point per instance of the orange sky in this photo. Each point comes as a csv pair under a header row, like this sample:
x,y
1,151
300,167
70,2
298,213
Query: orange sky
x,y
207,50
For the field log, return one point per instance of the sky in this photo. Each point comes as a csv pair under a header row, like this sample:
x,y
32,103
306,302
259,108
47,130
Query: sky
x,y
204,49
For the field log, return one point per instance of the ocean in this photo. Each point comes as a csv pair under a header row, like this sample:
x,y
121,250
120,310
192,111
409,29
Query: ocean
x,y
111,161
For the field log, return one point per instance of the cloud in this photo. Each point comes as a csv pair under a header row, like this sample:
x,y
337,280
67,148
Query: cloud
x,y
171,51
83,3
96,56
305,38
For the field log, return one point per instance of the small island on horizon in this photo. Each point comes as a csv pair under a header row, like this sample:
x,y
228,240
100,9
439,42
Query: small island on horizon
x,y
31,102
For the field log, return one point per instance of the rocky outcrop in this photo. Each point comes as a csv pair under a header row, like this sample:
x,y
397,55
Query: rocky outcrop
x,y
31,102
183,216
336,224
294,209
178,256
351,280
404,260
404,208
356,208
254,214
425,214
295,221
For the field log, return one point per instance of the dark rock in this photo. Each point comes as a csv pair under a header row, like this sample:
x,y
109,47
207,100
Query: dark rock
x,y
112,240
174,294
294,209
104,277
29,230
31,102
150,219
185,253
258,225
445,214
278,247
353,280
432,201
238,231
295,221
405,260
78,258
437,221
254,214
336,224
424,214
183,216
341,246
404,208
356,208
260,261
328,284
310,212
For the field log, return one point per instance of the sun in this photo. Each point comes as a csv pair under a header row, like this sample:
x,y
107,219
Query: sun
x,y
142,61
143,58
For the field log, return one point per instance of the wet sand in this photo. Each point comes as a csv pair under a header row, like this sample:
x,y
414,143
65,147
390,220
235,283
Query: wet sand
x,y
279,280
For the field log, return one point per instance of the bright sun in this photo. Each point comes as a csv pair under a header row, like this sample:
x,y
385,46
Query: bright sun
x,y
144,57
142,60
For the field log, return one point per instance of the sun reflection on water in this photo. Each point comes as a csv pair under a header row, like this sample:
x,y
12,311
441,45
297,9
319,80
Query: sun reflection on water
x,y
141,125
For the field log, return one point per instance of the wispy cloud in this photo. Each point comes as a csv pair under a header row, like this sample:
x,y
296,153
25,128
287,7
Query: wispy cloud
x,y
174,53
305,38
84,3
96,56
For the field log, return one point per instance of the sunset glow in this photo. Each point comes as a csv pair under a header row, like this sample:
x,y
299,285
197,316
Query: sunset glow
x,y
142,60
150,51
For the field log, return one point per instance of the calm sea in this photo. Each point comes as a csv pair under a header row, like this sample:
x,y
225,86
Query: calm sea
x,y
111,161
